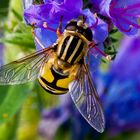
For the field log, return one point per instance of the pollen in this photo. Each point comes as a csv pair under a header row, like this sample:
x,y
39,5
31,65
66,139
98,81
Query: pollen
x,y
95,15
45,24
131,26
108,57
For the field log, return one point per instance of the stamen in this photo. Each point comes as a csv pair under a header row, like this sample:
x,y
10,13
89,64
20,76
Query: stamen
x,y
47,27
124,10
93,53
113,3
96,22
100,51
108,57
124,30
129,22
133,6
132,15
92,45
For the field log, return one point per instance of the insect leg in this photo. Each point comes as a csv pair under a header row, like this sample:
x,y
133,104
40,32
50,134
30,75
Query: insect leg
x,y
59,29
36,38
93,45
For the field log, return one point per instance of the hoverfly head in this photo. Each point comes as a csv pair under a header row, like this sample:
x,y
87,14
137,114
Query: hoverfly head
x,y
80,26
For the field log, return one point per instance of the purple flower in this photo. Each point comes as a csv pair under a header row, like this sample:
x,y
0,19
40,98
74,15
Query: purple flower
x,y
53,119
46,37
52,10
96,5
65,113
99,27
46,18
121,98
27,3
128,60
124,14
95,59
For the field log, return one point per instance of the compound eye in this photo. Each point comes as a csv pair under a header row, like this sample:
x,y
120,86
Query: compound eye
x,y
88,34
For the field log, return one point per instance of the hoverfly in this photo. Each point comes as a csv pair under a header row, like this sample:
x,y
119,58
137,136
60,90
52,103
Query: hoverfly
x,y
60,69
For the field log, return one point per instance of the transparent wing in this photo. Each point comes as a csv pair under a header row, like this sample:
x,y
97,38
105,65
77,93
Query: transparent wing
x,y
25,69
86,99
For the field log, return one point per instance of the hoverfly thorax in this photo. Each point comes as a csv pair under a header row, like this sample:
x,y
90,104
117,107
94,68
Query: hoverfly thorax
x,y
73,46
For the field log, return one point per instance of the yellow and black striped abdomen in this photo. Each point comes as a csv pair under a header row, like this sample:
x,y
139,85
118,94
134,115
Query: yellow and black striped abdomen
x,y
53,80
71,49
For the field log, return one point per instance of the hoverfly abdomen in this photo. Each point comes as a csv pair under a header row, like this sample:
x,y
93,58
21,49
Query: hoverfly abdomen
x,y
54,79
51,80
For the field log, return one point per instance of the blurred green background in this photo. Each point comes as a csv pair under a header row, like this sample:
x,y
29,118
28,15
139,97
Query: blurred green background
x,y
21,105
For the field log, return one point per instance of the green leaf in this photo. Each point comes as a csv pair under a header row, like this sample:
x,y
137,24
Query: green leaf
x,y
103,60
38,1
111,53
17,15
15,97
113,31
3,9
20,36
29,118
3,93
8,129
20,39
114,40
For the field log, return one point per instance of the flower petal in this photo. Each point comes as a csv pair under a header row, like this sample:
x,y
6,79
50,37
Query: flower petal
x,y
124,14
96,5
122,83
37,14
124,26
95,58
51,12
73,5
46,37
100,30
129,54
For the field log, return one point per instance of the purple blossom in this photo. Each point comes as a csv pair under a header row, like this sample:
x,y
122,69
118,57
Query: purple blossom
x,y
96,5
129,54
27,3
50,13
122,89
65,113
95,59
53,119
124,14
99,27
46,37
